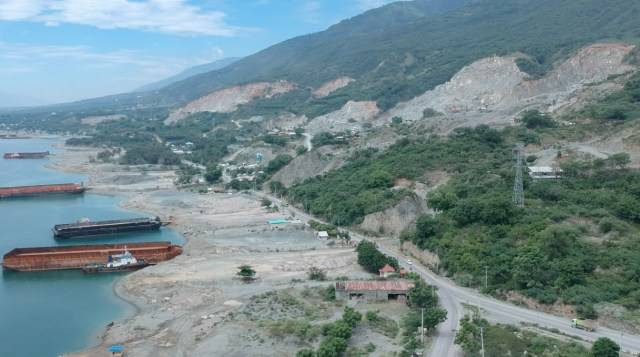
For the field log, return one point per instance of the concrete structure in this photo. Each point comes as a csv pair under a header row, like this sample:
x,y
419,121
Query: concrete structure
x,y
544,172
386,271
389,290
322,235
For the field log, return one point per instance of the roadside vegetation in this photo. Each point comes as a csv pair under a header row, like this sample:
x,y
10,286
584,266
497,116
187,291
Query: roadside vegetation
x,y
507,340
574,241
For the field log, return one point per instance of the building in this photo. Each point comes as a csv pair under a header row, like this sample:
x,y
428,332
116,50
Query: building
x,y
387,290
386,271
322,235
544,172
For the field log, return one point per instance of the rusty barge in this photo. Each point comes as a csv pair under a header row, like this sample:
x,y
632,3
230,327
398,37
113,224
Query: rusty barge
x,y
37,190
81,256
102,228
26,155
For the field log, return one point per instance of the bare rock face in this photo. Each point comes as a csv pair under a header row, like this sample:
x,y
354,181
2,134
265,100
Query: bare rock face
x,y
332,86
392,221
309,165
494,90
352,114
95,120
227,100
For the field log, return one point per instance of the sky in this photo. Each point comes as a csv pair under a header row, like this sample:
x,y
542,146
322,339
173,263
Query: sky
x,y
54,51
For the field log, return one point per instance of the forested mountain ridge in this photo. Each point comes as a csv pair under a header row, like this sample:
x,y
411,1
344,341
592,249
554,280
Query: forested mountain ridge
x,y
403,49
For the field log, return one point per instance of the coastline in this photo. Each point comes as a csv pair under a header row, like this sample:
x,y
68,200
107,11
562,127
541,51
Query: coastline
x,y
189,305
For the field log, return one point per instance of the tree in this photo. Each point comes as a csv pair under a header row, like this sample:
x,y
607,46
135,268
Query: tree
x,y
277,187
433,316
620,160
332,347
604,347
371,259
265,202
316,273
351,316
306,353
534,119
278,162
422,295
246,273
213,174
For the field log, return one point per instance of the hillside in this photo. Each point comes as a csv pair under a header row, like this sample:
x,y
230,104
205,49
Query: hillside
x,y
189,72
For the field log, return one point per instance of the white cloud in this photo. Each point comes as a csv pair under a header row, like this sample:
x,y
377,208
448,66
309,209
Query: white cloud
x,y
166,16
37,56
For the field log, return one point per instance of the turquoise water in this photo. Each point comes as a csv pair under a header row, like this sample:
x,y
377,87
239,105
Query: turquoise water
x,y
49,313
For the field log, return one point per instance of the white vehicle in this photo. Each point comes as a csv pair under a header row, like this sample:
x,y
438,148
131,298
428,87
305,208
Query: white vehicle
x,y
409,262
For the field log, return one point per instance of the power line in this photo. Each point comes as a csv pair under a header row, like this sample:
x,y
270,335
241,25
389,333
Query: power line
x,y
518,189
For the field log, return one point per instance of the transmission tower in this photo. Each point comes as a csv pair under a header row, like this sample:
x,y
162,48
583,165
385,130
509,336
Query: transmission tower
x,y
518,189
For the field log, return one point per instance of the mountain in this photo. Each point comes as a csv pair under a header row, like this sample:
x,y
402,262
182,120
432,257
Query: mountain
x,y
401,50
189,72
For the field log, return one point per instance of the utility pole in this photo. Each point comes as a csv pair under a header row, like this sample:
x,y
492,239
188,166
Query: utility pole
x,y
422,327
482,340
518,189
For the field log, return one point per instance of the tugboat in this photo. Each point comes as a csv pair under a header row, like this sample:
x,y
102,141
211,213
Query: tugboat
x,y
117,263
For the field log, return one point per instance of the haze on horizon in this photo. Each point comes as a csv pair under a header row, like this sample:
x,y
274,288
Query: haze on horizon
x,y
54,51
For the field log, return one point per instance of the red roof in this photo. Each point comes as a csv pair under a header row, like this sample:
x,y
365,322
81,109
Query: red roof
x,y
387,269
387,285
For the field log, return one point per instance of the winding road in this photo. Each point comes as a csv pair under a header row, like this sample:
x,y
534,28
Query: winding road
x,y
453,296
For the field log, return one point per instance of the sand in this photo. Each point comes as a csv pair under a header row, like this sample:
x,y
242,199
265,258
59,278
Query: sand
x,y
186,307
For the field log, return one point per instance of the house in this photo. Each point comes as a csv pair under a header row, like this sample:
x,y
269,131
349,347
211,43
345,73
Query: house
x,y
386,271
387,290
544,172
322,235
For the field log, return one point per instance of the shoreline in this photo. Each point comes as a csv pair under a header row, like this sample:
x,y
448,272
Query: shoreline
x,y
61,164
189,305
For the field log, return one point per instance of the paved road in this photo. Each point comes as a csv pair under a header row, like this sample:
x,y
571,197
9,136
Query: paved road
x,y
453,296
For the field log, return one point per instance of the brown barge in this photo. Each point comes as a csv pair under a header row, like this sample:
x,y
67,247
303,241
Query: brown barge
x,y
80,256
26,155
20,191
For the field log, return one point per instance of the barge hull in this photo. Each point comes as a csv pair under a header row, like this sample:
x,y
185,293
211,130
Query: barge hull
x,y
26,155
37,190
77,257
92,229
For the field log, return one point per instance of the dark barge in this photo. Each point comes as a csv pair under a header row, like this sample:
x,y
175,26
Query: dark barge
x,y
26,155
37,190
82,256
102,228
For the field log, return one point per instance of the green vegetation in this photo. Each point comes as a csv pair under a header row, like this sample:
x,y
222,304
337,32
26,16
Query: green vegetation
x,y
604,347
315,273
277,163
533,119
381,324
618,106
301,329
370,258
506,340
326,138
246,273
337,335
365,185
213,174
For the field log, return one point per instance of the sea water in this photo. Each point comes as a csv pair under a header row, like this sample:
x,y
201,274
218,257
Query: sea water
x,y
46,314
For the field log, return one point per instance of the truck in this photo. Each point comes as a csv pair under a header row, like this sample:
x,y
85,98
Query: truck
x,y
587,325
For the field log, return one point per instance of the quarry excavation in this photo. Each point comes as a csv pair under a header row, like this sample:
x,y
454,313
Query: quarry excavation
x,y
441,178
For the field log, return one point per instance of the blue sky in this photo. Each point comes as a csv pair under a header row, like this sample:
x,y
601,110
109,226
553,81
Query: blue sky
x,y
62,50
